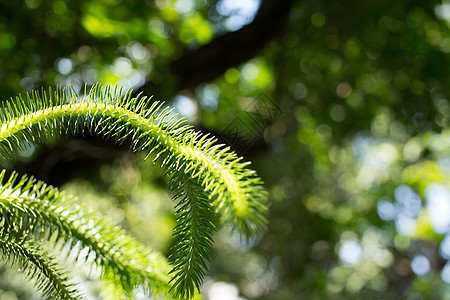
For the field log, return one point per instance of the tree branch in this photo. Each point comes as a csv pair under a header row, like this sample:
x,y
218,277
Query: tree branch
x,y
234,48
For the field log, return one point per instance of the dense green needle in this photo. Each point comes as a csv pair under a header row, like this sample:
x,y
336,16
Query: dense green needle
x,y
205,178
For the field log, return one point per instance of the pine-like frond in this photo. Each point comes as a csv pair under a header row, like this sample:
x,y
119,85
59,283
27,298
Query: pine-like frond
x,y
111,112
37,265
195,218
214,178
32,208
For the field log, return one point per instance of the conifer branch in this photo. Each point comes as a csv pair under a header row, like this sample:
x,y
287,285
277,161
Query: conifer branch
x,y
37,265
35,209
205,177
195,218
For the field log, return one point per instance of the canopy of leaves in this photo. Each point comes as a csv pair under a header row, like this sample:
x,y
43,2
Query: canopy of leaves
x,y
342,106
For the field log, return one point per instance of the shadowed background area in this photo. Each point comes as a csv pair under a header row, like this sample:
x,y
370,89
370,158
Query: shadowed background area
x,y
342,107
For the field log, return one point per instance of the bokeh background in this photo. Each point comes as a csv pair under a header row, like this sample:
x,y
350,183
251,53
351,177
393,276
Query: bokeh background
x,y
342,106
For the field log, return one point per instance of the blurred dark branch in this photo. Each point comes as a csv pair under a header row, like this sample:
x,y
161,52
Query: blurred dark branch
x,y
68,159
233,48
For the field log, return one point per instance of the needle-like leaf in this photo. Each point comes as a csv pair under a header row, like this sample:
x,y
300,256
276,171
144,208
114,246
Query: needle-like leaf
x,y
205,178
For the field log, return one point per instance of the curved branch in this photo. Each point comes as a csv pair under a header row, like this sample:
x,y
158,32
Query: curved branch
x,y
235,191
35,263
154,129
37,209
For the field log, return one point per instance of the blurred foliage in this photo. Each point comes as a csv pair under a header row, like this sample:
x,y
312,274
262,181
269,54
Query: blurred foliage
x,y
345,116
